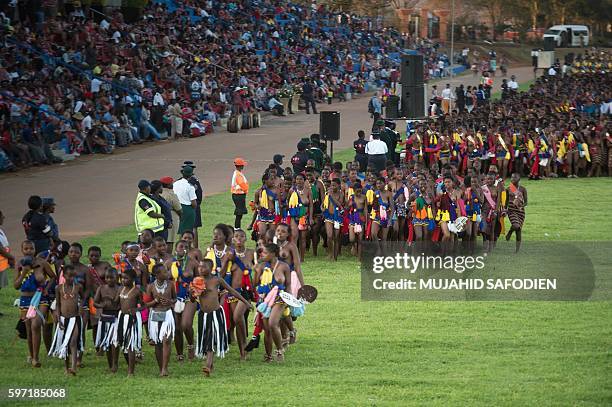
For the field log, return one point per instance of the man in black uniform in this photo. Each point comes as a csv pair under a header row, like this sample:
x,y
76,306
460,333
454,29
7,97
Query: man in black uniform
x,y
460,92
360,156
36,225
299,159
393,137
315,152
308,96
389,137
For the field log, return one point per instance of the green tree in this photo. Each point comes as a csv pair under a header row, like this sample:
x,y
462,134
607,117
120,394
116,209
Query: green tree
x,y
497,11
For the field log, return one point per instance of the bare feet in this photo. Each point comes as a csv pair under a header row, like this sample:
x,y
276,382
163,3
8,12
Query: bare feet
x,y
206,371
191,352
164,373
71,372
293,336
35,363
280,356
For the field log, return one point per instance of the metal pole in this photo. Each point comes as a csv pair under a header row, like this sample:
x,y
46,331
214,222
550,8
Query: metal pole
x,y
452,36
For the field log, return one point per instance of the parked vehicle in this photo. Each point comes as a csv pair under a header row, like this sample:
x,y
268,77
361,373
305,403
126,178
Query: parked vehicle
x,y
568,35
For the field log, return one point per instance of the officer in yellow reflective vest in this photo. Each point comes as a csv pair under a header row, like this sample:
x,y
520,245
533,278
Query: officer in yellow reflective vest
x,y
147,213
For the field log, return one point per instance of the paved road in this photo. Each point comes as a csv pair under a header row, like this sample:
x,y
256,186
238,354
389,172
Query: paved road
x,y
96,193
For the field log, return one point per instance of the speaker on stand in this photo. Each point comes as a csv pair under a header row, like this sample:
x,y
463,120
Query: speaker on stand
x,y
329,128
413,90
411,72
413,105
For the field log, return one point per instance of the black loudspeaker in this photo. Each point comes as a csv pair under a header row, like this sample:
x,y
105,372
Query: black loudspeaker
x,y
413,101
329,126
411,70
549,44
392,107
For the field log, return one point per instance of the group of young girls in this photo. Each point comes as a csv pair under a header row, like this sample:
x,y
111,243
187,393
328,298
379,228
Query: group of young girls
x,y
153,290
344,207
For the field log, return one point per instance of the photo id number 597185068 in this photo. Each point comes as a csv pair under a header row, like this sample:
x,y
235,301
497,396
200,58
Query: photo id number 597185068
x,y
13,393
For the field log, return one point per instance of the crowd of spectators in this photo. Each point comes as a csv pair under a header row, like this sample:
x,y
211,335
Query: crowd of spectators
x,y
86,82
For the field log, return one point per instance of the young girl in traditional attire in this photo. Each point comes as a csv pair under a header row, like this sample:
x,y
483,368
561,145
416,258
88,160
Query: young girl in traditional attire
x,y
267,204
381,206
161,319
68,339
129,327
401,196
448,210
212,331
357,218
288,253
472,198
300,212
185,307
515,205
333,210
422,207
106,301
272,277
240,280
32,278
317,192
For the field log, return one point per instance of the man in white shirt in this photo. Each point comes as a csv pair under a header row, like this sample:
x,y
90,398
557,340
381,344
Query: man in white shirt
x,y
158,100
376,151
186,195
441,67
87,123
513,84
447,96
95,85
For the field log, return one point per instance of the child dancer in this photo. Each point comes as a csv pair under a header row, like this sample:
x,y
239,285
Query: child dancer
x,y
68,340
129,328
107,300
161,319
212,332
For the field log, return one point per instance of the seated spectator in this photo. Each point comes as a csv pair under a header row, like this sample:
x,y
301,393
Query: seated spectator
x,y
276,106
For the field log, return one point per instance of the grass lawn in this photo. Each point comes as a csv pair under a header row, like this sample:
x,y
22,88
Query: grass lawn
x,y
523,87
351,352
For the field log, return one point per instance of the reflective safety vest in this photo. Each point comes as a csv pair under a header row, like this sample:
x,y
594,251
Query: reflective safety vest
x,y
4,263
239,183
143,220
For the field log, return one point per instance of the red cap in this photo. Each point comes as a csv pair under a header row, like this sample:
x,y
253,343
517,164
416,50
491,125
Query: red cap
x,y
166,180
239,162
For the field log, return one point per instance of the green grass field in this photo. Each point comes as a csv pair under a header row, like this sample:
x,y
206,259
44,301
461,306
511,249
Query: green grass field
x,y
351,352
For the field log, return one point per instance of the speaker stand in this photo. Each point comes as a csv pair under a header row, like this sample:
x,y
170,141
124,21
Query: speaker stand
x,y
331,150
